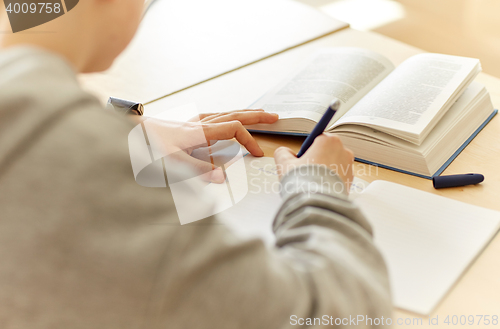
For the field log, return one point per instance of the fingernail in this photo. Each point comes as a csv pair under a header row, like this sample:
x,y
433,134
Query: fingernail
x,y
217,176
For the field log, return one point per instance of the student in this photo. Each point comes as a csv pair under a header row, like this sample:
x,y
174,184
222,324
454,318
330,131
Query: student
x,y
82,245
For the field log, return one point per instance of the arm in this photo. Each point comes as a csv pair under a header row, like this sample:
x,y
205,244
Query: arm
x,y
332,236
82,244
324,262
91,246
332,239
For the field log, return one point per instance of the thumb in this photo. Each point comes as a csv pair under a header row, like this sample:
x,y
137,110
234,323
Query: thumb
x,y
283,154
285,158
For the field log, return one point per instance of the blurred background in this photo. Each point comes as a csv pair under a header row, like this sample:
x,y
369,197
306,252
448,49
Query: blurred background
x,y
457,27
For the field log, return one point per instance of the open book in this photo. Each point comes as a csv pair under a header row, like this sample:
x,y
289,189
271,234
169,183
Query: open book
x,y
415,118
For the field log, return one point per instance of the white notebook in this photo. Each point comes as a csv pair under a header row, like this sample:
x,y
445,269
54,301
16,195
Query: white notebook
x,y
428,241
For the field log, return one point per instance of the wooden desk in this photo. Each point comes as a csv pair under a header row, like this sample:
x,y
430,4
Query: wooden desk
x,y
478,291
182,43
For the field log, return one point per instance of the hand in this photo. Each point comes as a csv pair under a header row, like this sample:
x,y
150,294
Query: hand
x,y
327,150
228,125
178,139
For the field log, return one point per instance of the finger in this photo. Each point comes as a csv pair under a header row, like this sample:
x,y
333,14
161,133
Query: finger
x,y
334,140
324,142
207,116
206,170
350,173
201,116
327,139
350,155
283,155
233,129
246,117
216,115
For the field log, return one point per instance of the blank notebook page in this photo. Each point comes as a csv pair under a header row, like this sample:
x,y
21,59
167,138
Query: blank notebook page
x,y
428,241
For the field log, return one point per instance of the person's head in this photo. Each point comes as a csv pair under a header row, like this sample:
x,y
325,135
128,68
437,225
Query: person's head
x,y
90,36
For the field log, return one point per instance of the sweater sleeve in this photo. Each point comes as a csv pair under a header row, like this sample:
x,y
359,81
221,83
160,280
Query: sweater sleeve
x,y
82,243
324,269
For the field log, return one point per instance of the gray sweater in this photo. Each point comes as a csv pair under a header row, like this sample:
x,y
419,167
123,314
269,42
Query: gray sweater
x,y
82,245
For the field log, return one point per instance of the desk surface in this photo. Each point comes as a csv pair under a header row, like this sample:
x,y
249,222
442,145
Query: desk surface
x,y
477,292
182,43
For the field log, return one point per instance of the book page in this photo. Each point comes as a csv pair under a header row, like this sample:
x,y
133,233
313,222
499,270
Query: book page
x,y
428,241
415,96
344,73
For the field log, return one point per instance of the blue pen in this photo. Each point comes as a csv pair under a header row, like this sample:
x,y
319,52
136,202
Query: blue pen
x,y
320,126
